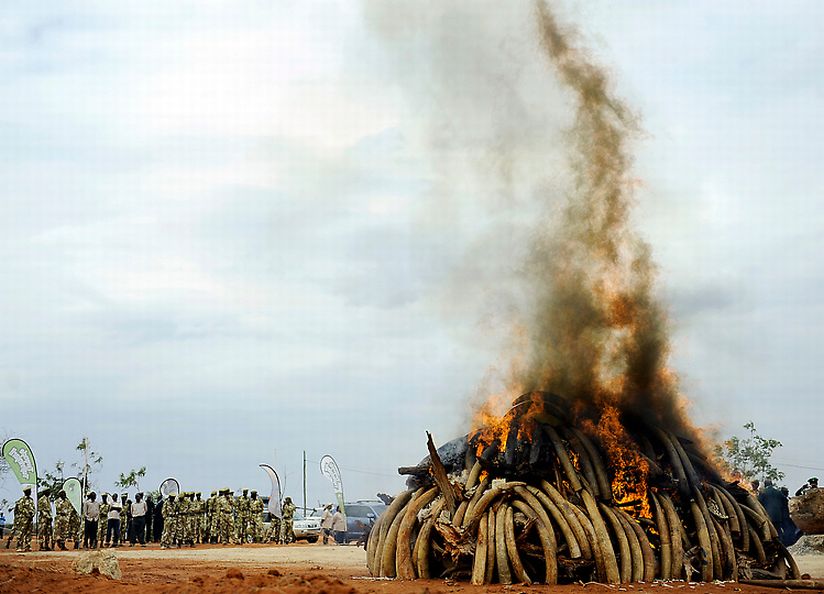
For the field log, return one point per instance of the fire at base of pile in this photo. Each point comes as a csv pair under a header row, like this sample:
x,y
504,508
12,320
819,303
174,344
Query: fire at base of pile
x,y
550,503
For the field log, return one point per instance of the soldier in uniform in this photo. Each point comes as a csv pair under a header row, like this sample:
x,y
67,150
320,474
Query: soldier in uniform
x,y
224,512
23,520
256,520
76,527
287,531
103,518
44,521
125,518
192,518
63,512
211,525
169,528
183,524
242,516
199,512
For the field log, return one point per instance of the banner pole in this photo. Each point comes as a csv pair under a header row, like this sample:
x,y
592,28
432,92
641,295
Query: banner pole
x,y
304,483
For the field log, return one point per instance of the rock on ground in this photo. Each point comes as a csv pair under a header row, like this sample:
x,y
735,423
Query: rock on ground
x,y
809,544
102,562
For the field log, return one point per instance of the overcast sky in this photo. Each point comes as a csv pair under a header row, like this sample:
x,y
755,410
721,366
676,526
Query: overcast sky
x,y
234,231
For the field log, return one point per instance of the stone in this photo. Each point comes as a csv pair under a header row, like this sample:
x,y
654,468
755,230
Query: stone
x,y
807,511
809,544
102,562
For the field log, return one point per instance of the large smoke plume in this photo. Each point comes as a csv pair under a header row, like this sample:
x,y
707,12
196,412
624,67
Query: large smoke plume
x,y
598,333
579,305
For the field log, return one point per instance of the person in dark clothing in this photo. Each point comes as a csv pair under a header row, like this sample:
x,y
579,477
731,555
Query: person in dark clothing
x,y
789,531
149,518
774,503
810,484
157,521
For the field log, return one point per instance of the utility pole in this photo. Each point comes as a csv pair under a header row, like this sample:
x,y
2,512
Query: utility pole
x,y
304,483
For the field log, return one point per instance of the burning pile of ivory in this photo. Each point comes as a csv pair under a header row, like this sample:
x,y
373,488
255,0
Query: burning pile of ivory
x,y
547,495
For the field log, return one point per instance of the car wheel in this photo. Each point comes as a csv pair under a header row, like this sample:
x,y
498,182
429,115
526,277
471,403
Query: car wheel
x,y
312,538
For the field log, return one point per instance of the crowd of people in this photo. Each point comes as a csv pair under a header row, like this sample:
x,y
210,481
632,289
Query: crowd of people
x,y
776,501
179,519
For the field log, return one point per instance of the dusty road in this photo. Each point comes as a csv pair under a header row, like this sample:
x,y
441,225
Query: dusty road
x,y
294,569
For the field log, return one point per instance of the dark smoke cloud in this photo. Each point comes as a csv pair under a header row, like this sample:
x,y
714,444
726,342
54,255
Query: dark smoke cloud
x,y
547,169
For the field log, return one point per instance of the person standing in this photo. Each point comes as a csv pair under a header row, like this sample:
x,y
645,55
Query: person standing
x,y
149,516
198,515
157,522
44,521
63,512
24,520
125,518
76,526
223,508
168,510
773,502
139,511
91,517
339,526
103,519
812,483
287,526
113,522
255,530
326,524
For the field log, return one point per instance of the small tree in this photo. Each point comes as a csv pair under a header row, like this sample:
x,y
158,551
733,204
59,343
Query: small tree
x,y
750,457
131,479
92,461
53,480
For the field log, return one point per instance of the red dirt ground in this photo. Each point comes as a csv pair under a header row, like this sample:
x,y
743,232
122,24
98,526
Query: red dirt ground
x,y
222,573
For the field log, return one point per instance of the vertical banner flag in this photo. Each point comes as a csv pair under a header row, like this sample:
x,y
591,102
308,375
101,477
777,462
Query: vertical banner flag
x,y
329,469
74,492
274,498
21,461
169,487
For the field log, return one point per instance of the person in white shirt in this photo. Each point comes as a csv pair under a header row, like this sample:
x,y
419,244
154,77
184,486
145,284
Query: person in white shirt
x,y
138,521
91,511
113,524
339,526
326,524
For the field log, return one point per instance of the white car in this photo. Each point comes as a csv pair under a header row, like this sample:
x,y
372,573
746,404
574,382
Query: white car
x,y
307,528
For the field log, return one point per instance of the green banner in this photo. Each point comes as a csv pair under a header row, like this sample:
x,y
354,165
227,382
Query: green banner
x,y
74,492
21,461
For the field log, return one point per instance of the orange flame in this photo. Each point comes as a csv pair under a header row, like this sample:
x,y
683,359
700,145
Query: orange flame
x,y
630,468
489,426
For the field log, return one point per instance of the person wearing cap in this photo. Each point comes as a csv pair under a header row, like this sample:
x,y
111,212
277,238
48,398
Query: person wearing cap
x,y
209,519
103,519
256,518
23,521
326,524
63,512
198,518
125,518
184,525
812,483
91,517
224,511
287,524
44,521
169,510
241,516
